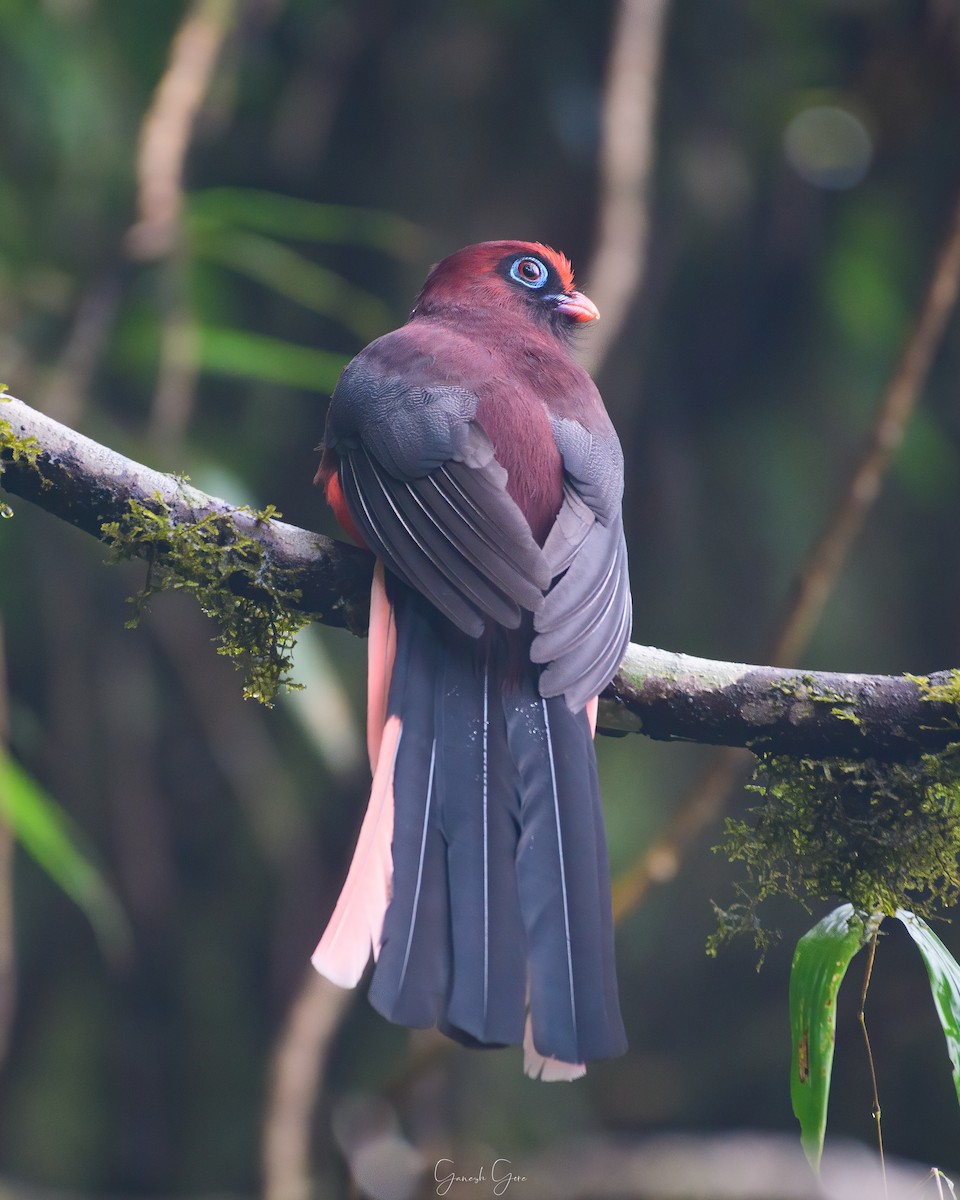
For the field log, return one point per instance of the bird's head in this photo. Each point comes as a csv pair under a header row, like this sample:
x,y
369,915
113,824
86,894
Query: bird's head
x,y
519,278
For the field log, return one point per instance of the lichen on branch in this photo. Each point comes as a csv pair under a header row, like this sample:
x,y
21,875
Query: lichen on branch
x,y
227,572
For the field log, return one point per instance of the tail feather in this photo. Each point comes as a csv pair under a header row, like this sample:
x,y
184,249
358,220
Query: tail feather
x,y
355,929
411,981
564,891
608,973
381,651
480,824
592,709
498,928
550,1070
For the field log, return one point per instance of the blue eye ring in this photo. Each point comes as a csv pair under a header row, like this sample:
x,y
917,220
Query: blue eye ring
x,y
529,271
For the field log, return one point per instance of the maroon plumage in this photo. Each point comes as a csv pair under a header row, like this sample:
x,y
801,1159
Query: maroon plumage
x,y
474,457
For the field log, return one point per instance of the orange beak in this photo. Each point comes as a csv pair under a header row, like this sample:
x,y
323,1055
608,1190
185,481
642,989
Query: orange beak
x,y
578,307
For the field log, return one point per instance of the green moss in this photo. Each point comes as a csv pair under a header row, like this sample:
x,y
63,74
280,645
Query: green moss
x,y
843,713
809,688
877,834
940,693
15,449
226,570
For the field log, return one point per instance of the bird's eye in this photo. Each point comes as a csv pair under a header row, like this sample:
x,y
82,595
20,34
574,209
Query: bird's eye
x,y
530,272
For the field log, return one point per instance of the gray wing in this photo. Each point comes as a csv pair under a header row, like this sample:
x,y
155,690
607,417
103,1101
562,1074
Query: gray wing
x,y
429,497
583,628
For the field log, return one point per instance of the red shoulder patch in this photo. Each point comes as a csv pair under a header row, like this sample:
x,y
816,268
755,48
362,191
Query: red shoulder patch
x,y
338,502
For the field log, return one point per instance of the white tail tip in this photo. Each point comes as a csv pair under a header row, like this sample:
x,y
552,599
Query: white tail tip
x,y
547,1070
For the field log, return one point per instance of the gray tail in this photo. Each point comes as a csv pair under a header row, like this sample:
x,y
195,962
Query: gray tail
x,y
501,890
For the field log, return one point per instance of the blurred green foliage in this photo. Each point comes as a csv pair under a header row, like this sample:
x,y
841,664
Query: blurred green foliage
x,y
342,147
44,831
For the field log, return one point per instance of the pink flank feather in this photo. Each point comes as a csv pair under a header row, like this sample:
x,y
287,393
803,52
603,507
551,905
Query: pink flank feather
x,y
592,706
356,927
381,651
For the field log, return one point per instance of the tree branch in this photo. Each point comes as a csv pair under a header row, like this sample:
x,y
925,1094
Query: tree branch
x,y
661,694
816,714
87,484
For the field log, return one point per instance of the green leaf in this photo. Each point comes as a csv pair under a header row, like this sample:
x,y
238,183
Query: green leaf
x,y
820,962
253,356
43,829
305,220
944,972
290,274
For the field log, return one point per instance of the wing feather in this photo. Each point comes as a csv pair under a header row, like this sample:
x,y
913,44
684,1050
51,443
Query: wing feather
x,y
420,477
584,625
427,539
388,532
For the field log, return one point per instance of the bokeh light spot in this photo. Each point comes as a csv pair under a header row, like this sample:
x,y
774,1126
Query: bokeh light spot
x,y
828,146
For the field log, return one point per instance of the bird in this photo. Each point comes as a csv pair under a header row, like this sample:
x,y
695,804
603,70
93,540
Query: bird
x,y
473,456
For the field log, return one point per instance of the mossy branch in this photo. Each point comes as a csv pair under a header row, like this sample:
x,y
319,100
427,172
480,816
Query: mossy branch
x,y
776,710
93,487
196,541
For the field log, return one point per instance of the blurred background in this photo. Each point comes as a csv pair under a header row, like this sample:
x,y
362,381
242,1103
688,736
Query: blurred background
x,y
205,209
